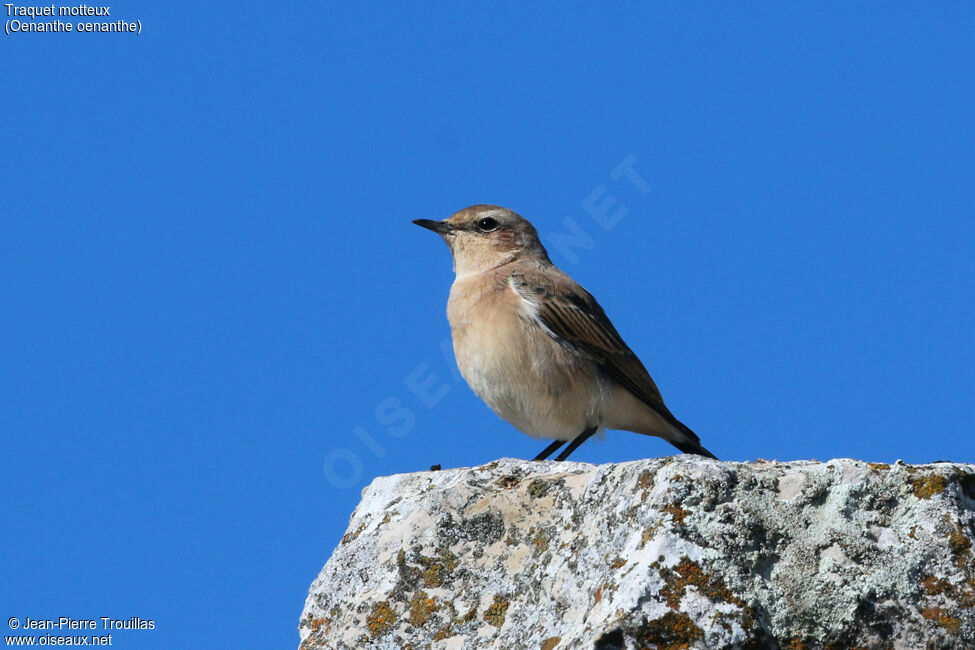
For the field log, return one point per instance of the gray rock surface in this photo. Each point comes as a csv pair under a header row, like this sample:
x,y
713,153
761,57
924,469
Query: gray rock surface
x,y
679,552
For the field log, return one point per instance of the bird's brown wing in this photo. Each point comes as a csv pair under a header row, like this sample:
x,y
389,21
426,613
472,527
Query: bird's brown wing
x,y
573,316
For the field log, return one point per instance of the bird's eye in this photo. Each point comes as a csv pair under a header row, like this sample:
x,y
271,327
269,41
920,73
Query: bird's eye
x,y
487,224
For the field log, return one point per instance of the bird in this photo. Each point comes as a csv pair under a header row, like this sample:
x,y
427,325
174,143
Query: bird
x,y
536,346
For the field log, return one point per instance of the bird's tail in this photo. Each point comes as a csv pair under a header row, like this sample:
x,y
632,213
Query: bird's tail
x,y
685,439
692,448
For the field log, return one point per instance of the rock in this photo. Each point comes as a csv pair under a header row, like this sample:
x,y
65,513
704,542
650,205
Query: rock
x,y
679,552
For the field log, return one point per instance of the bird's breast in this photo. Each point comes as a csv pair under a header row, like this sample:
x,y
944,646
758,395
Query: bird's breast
x,y
491,341
516,367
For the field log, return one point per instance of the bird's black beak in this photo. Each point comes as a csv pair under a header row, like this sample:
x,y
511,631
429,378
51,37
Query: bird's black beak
x,y
439,227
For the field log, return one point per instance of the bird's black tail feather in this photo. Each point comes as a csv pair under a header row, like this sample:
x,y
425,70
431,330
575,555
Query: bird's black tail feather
x,y
685,440
692,448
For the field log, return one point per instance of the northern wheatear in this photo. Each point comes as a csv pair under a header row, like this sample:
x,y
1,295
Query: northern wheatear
x,y
536,346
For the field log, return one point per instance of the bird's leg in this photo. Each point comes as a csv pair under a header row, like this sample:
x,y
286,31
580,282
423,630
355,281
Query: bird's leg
x,y
579,439
548,450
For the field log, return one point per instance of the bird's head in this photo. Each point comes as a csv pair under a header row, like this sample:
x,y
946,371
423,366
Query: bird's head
x,y
483,237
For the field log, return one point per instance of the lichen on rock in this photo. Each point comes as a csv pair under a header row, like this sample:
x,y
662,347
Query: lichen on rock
x,y
668,553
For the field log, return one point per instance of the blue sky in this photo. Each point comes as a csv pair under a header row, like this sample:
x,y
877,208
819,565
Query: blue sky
x,y
219,323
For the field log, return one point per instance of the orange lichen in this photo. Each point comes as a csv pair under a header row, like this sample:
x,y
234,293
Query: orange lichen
x,y
381,618
351,535
422,608
951,623
688,573
672,631
539,540
645,482
497,611
647,535
966,599
962,594
443,633
933,586
316,623
437,570
469,616
676,512
927,486
960,545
